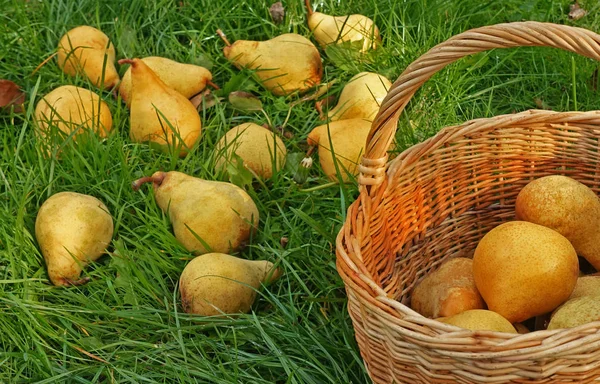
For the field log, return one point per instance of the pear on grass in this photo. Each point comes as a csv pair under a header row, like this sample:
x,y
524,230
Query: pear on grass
x,y
345,138
260,149
338,29
361,97
284,64
71,108
88,51
159,114
72,229
217,283
207,216
187,79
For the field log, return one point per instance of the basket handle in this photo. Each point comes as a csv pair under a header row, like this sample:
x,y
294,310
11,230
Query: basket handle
x,y
519,34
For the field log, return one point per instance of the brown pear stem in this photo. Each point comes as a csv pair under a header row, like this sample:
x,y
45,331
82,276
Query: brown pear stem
x,y
76,283
44,63
215,86
311,150
309,9
154,179
223,37
126,61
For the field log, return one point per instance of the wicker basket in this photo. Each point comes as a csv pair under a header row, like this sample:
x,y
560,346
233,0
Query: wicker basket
x,y
436,200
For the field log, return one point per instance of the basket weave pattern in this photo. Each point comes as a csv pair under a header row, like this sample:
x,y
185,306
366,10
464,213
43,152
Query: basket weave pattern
x,y
436,200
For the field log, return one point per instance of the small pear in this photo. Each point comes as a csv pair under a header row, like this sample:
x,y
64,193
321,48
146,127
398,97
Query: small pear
x,y
255,145
160,114
71,108
72,229
284,64
217,284
349,138
361,97
88,51
187,79
337,29
207,216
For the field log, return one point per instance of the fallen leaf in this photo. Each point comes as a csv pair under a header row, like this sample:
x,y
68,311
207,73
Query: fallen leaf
x,y
576,12
277,12
245,101
11,95
322,106
205,100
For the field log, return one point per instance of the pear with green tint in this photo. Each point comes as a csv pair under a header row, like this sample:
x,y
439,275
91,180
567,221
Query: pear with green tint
x,y
207,216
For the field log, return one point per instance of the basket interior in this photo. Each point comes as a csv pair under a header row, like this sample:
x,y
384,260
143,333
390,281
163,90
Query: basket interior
x,y
440,205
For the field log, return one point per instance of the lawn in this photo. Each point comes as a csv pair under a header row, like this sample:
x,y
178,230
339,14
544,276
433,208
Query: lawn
x,y
127,324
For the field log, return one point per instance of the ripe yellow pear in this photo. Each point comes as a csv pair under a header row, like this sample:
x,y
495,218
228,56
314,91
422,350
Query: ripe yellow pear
x,y
361,97
71,108
480,319
159,114
523,270
337,29
349,138
217,283
72,229
88,51
187,79
259,148
567,206
284,64
576,312
207,216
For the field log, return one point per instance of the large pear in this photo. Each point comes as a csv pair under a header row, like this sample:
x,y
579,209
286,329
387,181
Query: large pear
x,y
70,109
72,229
361,97
88,51
187,79
207,216
217,283
284,64
338,29
159,114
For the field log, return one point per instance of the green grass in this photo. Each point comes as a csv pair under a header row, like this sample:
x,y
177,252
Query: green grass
x,y
126,325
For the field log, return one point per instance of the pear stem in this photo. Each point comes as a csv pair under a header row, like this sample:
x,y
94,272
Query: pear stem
x,y
137,184
43,63
215,86
223,37
126,61
309,9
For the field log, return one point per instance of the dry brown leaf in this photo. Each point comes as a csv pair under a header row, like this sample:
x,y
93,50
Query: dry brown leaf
x,y
277,12
576,12
11,95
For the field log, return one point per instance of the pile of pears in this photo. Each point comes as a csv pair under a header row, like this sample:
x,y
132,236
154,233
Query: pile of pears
x,y
211,219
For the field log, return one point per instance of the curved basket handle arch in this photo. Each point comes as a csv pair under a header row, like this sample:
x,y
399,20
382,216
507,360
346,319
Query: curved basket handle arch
x,y
508,35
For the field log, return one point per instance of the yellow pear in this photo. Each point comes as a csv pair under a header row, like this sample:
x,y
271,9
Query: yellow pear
x,y
72,229
329,29
576,312
71,108
284,64
187,79
480,319
160,114
349,138
88,51
207,216
361,97
217,283
255,145
524,270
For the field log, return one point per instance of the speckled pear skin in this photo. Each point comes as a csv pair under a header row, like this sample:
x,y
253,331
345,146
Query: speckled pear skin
x,y
215,283
284,64
207,216
84,50
361,97
72,229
